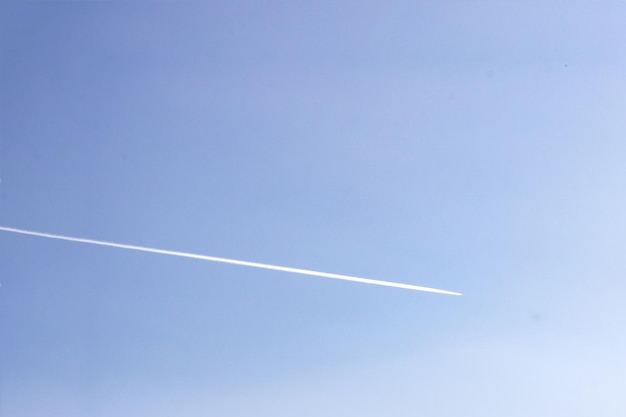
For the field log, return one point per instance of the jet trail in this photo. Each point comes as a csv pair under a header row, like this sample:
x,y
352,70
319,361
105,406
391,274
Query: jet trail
x,y
230,261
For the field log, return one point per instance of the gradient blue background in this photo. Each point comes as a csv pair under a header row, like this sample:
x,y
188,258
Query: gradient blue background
x,y
474,146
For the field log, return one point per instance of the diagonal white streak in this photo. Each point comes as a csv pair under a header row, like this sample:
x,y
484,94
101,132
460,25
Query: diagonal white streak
x,y
229,261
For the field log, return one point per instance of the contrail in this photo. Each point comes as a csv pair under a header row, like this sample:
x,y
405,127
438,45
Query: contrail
x,y
230,261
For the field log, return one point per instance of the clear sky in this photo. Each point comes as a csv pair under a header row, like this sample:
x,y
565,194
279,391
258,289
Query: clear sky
x,y
474,146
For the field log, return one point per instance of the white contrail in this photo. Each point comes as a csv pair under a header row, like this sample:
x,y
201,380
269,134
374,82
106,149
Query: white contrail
x,y
230,261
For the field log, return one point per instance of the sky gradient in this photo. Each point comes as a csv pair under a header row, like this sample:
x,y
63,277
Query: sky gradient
x,y
476,147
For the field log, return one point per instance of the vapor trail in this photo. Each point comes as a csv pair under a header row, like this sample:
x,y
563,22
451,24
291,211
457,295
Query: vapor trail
x,y
229,261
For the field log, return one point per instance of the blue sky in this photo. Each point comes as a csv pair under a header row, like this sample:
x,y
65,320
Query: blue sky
x,y
471,146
